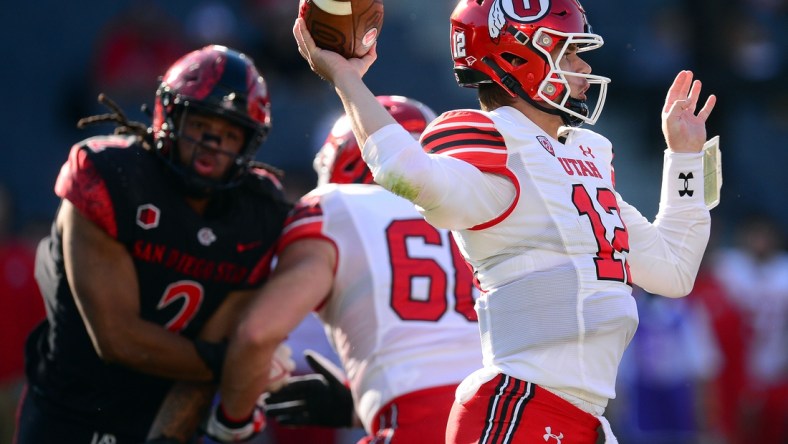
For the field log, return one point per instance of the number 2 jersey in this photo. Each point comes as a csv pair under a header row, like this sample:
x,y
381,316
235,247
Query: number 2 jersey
x,y
400,314
186,265
554,247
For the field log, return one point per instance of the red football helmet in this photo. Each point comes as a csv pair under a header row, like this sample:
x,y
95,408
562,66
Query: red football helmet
x,y
487,35
218,81
339,160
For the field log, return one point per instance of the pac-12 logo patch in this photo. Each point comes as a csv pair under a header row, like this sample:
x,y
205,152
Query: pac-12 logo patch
x,y
148,216
546,144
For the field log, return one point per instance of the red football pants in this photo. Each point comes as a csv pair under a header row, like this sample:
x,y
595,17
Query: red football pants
x,y
512,411
415,418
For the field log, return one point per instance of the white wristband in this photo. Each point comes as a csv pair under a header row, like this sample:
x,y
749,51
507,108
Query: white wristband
x,y
682,180
712,172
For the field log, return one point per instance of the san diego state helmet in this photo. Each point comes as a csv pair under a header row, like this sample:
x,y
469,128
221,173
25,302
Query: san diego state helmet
x,y
487,35
339,160
219,81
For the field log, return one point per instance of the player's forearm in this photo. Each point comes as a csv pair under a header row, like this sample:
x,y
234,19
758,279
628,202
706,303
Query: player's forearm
x,y
452,193
366,114
182,411
150,348
666,255
666,259
245,376
302,279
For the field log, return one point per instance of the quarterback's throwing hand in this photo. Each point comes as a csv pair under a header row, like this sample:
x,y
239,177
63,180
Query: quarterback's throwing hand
x,y
328,64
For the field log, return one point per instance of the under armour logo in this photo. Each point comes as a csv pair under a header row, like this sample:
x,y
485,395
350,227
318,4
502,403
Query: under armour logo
x,y
686,178
549,434
587,151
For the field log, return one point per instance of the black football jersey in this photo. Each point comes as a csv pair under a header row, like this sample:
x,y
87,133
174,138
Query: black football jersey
x,y
186,265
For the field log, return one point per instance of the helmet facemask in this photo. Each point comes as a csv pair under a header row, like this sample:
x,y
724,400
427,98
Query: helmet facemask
x,y
238,162
554,89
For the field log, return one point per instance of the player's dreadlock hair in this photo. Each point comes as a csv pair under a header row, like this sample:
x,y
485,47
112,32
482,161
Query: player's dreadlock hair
x,y
124,126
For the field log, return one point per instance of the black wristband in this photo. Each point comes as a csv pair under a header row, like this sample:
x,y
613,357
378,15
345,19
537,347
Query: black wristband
x,y
212,354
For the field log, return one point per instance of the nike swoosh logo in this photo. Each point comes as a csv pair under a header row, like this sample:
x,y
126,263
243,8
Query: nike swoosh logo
x,y
241,247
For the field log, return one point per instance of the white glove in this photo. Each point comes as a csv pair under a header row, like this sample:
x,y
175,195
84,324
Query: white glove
x,y
282,365
221,429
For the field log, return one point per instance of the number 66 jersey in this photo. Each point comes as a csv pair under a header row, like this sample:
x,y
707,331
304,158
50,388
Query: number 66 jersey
x,y
400,315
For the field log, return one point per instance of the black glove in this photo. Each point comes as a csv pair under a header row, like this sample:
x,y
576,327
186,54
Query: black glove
x,y
320,399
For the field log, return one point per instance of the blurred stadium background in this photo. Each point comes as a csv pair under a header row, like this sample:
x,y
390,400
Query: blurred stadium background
x,y
60,55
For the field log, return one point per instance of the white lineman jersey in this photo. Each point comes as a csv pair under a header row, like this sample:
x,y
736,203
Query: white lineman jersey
x,y
401,314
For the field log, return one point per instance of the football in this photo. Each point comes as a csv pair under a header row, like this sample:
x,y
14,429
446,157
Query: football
x,y
348,27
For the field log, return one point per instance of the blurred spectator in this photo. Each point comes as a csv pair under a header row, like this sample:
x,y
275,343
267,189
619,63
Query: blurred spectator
x,y
21,308
725,396
664,373
754,274
213,22
271,42
133,51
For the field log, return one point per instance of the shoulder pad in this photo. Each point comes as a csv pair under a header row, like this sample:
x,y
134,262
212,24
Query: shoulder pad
x,y
469,135
264,182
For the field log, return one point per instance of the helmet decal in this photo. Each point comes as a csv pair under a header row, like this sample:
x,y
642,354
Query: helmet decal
x,y
525,11
496,20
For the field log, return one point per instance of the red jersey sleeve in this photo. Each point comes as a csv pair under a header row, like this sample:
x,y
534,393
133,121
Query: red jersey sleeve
x,y
81,184
304,221
467,135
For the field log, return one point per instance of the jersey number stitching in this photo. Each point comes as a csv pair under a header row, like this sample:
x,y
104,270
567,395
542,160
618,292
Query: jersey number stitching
x,y
192,293
404,268
608,267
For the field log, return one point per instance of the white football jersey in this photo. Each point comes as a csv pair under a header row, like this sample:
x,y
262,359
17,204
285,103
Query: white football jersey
x,y
557,257
401,314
